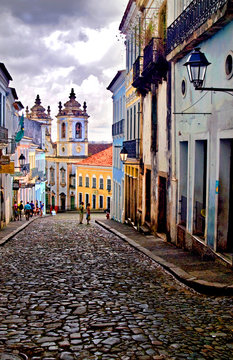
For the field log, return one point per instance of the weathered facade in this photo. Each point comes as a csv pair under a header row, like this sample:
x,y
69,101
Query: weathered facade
x,y
202,128
152,81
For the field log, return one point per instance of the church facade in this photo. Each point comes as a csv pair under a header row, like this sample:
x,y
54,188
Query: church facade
x,y
63,156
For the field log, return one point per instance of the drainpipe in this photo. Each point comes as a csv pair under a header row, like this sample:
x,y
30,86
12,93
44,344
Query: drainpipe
x,y
174,180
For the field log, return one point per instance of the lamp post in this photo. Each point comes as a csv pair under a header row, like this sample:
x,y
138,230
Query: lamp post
x,y
21,160
124,154
196,66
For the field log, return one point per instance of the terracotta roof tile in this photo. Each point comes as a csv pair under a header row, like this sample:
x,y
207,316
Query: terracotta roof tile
x,y
95,148
102,158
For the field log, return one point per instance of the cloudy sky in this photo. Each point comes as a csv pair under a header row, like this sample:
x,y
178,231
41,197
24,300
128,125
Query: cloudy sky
x,y
49,46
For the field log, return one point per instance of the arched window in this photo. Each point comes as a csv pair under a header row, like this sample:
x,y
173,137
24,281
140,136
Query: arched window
x,y
87,184
78,130
52,177
94,182
62,177
63,130
101,182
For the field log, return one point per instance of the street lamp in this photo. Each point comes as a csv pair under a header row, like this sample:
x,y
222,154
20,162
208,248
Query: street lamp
x,y
196,66
22,160
124,154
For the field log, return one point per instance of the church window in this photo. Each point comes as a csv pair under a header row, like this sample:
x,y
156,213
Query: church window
x,y
52,179
63,130
63,177
78,130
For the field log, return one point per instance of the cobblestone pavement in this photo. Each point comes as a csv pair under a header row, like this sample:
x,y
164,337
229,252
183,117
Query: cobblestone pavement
x,y
70,291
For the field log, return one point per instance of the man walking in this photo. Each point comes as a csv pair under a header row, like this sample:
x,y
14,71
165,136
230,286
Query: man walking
x,y
27,210
81,211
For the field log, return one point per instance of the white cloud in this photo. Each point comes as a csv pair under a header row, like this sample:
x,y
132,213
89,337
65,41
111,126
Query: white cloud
x,y
48,50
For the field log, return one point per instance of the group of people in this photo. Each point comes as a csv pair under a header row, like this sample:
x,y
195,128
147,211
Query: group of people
x,y
29,209
81,213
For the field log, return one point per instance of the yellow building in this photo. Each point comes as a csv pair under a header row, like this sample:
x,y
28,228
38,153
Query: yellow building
x,y
94,180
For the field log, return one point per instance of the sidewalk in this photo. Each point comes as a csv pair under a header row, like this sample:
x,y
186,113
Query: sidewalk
x,y
13,228
206,277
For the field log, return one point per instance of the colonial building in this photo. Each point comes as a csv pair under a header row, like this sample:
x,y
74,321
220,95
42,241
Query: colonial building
x,y
130,27
9,120
94,180
63,156
30,154
150,77
202,126
117,87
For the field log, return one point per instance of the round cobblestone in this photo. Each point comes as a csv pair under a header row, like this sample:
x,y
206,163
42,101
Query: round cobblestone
x,y
68,291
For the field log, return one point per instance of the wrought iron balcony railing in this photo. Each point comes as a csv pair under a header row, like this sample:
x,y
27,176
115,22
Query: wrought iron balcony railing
x,y
155,65
132,146
118,127
137,71
196,14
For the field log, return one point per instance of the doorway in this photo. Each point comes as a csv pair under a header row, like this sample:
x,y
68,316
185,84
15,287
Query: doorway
x,y
72,202
225,197
162,210
148,195
63,201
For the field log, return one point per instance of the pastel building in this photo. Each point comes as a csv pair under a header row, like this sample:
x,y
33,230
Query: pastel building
x,y
94,180
117,87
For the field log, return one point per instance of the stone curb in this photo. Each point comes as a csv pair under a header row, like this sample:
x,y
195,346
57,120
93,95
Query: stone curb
x,y
201,286
16,231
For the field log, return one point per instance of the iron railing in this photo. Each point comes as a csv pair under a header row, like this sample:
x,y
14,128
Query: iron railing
x,y
132,147
152,52
118,127
137,70
196,14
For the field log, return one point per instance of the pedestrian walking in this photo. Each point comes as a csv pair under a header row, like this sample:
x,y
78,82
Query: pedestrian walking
x,y
88,215
27,210
20,209
15,210
41,208
81,212
32,208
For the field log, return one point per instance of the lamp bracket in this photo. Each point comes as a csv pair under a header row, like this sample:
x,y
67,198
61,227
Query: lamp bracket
x,y
227,90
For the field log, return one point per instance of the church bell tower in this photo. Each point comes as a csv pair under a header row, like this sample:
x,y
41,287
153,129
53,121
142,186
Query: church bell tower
x,y
72,128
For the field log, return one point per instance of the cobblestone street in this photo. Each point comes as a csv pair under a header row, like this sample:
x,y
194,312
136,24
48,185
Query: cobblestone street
x,y
70,291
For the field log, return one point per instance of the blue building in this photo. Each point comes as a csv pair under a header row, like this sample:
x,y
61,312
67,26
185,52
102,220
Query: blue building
x,y
202,128
117,87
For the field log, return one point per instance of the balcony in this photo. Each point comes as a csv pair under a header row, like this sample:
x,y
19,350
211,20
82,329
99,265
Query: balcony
x,y
193,17
132,146
155,65
3,137
118,128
